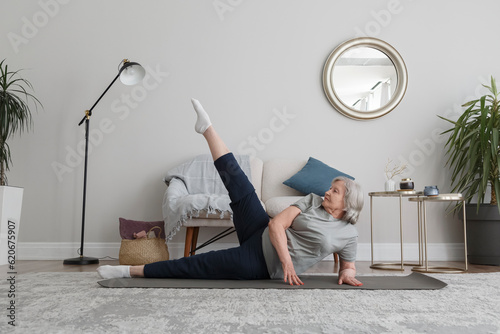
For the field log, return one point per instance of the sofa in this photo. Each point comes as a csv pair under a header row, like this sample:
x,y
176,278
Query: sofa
x,y
267,178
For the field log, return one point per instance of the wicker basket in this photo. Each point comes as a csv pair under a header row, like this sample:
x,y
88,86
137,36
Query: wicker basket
x,y
143,251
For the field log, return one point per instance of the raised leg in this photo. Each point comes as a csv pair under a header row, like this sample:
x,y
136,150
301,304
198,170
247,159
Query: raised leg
x,y
248,214
217,146
232,176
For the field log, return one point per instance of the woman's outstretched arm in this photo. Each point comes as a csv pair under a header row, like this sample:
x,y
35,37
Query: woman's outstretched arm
x,y
277,227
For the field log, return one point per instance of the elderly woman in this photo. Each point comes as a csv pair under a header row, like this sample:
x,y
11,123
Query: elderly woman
x,y
278,248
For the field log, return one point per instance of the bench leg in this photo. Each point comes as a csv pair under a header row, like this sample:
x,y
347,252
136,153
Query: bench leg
x,y
195,239
189,241
336,257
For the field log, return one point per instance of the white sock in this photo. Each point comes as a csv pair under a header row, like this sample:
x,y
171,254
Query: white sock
x,y
108,272
203,121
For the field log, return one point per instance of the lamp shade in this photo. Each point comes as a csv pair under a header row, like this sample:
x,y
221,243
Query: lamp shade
x,y
131,73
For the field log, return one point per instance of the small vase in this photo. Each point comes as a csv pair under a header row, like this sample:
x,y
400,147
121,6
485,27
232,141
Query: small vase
x,y
431,191
390,185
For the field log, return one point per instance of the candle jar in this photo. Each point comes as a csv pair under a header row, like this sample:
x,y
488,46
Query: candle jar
x,y
431,191
406,184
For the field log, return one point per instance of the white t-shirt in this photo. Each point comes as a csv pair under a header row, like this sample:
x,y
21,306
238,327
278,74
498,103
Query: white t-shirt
x,y
313,235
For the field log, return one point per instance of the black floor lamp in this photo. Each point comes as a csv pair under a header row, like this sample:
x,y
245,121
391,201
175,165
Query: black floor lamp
x,y
130,73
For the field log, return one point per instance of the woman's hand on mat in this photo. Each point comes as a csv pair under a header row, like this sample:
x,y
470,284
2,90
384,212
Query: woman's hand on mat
x,y
289,274
347,276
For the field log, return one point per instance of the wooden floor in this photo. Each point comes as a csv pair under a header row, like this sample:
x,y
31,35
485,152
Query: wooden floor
x,y
24,267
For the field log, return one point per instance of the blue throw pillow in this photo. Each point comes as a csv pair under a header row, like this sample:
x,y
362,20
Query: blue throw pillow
x,y
315,177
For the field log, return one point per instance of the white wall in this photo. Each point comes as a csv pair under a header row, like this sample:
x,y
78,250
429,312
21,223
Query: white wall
x,y
244,60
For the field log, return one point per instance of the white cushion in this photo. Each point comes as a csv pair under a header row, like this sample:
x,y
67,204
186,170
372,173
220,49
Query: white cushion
x,y
275,172
277,204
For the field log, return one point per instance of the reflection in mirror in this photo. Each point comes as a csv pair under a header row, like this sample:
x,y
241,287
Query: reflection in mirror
x,y
364,78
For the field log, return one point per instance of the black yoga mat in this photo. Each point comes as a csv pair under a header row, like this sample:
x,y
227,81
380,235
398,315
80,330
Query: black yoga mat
x,y
414,281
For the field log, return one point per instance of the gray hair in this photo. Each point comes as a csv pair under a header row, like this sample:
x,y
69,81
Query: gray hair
x,y
353,199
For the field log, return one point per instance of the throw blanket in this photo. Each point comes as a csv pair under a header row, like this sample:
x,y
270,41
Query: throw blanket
x,y
195,186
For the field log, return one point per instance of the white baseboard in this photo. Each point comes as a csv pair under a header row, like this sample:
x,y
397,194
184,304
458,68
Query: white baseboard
x,y
392,252
381,253
65,250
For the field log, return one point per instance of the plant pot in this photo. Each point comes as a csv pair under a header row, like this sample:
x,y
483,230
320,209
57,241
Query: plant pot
x,y
11,199
483,234
390,185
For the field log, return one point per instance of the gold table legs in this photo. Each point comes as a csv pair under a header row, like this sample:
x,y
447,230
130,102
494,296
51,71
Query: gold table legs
x,y
425,268
399,265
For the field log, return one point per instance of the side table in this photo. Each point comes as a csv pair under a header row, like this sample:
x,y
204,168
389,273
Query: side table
x,y
400,195
457,197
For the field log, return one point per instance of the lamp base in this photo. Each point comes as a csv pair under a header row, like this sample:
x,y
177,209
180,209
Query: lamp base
x,y
81,260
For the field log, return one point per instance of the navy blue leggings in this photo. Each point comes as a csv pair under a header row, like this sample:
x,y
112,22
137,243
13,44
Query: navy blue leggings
x,y
250,220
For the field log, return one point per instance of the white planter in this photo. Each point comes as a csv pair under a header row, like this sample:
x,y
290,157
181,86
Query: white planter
x,y
11,200
390,185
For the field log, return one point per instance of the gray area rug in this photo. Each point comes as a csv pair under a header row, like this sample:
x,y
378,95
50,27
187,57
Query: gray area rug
x,y
414,281
75,303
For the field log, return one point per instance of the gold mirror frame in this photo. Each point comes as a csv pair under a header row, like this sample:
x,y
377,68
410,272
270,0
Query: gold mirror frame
x,y
389,51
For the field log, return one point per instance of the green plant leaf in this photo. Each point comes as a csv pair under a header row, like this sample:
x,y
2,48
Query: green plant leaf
x,y
14,110
473,102
494,143
472,147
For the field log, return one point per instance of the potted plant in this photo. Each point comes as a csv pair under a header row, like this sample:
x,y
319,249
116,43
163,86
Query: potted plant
x,y
474,156
15,116
390,172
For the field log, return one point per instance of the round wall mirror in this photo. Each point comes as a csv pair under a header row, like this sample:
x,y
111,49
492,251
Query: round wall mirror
x,y
365,78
